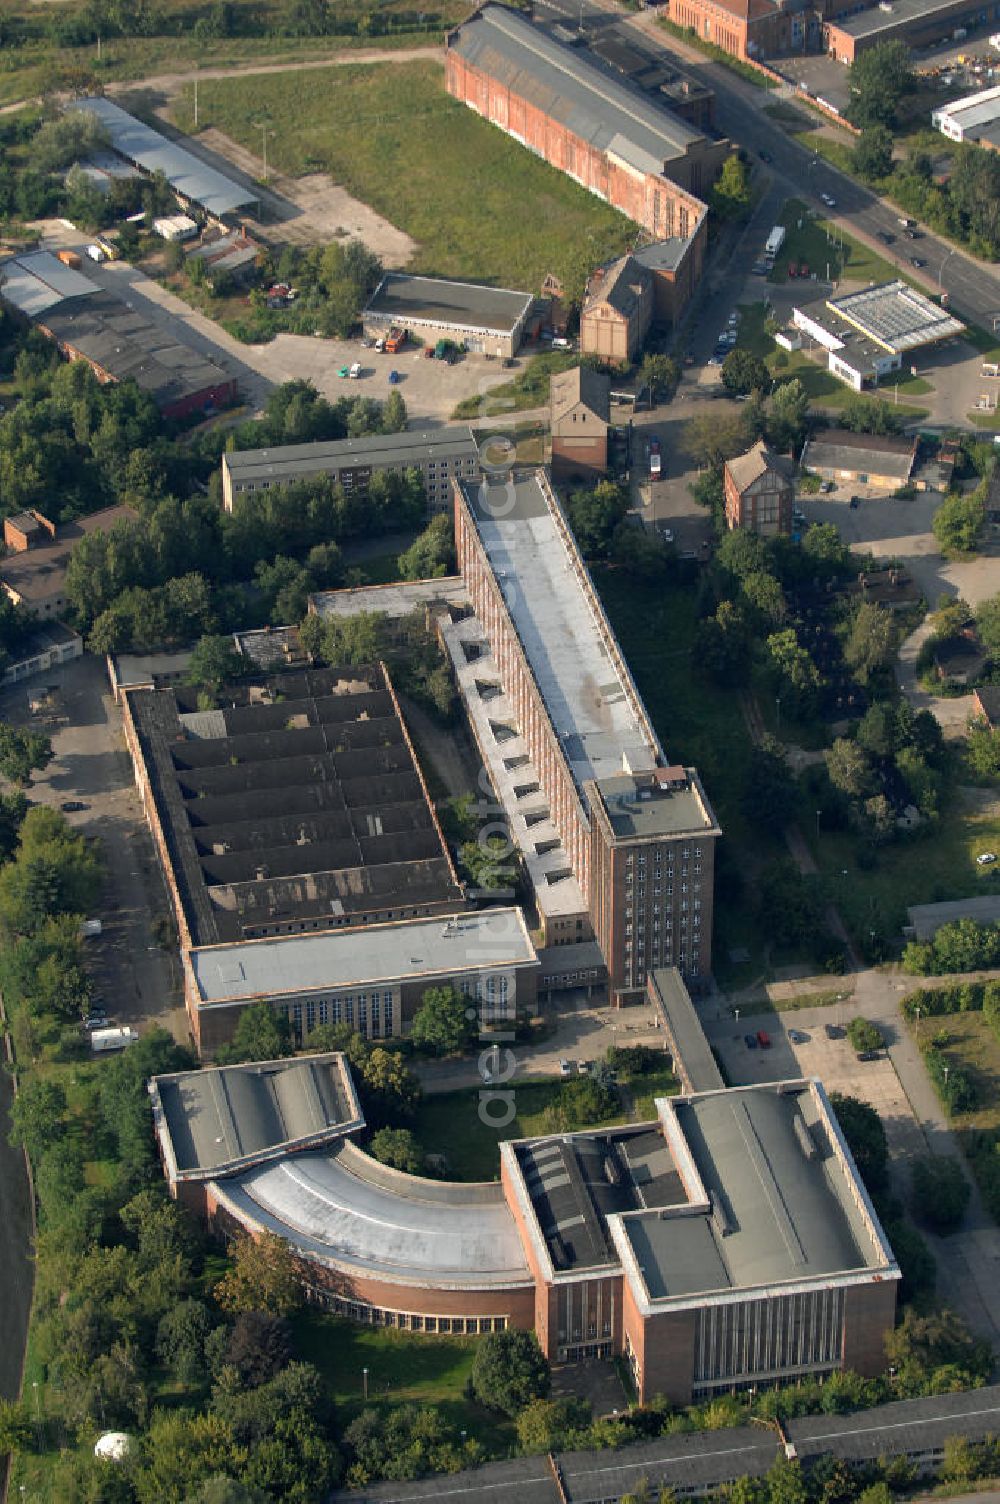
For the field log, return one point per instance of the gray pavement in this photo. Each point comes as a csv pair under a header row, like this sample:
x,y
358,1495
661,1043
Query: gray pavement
x,y
136,978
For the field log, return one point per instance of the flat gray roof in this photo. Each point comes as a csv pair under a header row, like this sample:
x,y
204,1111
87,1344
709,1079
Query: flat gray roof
x,y
896,316
288,461
186,174
565,636
333,959
901,13
343,1206
215,1121
431,300
522,1480
662,255
927,918
395,601
644,804
782,1204
696,1058
972,110
566,84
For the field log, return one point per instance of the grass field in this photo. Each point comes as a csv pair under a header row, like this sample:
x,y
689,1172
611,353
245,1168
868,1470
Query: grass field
x,y
821,244
403,1367
528,389
928,869
393,137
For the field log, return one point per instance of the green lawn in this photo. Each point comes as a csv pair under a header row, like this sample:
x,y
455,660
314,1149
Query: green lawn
x,y
821,244
477,204
528,389
929,869
403,1367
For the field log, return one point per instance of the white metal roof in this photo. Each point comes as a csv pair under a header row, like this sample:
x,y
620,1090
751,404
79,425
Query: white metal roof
x,y
377,953
896,316
187,174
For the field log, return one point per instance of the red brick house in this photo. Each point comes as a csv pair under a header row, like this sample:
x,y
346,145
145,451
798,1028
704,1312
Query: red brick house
x,y
580,407
759,492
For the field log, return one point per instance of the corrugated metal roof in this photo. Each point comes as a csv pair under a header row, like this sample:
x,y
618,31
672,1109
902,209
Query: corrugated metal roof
x,y
37,282
187,174
573,90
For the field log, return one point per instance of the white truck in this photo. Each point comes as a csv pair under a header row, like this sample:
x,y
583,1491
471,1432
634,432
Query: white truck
x,y
102,1040
775,241
89,928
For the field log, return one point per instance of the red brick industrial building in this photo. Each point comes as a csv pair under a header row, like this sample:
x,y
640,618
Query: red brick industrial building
x,y
728,1242
606,134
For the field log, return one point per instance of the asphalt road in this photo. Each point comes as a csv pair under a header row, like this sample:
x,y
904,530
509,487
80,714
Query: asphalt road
x,y
973,288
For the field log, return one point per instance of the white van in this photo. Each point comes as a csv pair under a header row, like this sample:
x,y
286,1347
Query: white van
x,y
355,370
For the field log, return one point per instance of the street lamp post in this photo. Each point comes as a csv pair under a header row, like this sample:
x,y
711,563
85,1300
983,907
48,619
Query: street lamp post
x,y
364,1376
818,813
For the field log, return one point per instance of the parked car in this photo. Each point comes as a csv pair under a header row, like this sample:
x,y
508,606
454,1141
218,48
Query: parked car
x,y
565,1069
868,1054
796,1036
914,234
344,371
71,806
765,156
917,261
833,1031
829,200
750,1040
393,378
827,486
583,1067
986,858
95,1021
763,1039
355,370
855,503
885,237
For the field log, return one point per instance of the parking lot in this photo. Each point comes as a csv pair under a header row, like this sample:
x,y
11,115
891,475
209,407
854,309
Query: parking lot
x,y
430,388
136,978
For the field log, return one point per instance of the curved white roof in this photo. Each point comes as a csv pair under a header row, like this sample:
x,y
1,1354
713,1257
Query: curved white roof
x,y
348,1209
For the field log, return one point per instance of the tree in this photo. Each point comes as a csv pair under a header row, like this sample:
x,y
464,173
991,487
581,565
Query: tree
x,y
548,1425
180,1339
394,418
799,677
659,374
743,372
869,415
488,863
17,1430
864,1035
441,1024
958,523
23,753
983,747
389,1089
509,1371
940,1192
215,661
710,439
261,1033
785,417
769,793
871,157
37,1115
742,553
786,1483
878,78
731,192
397,1147
722,645
822,546
594,516
849,769
263,1276
432,555
988,624
258,1346
871,641
863,1129
922,1344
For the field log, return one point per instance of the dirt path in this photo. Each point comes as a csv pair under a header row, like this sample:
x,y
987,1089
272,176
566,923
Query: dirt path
x,y
172,83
